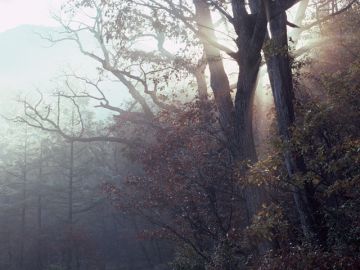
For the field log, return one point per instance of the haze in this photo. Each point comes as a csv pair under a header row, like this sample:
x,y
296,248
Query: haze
x,y
179,135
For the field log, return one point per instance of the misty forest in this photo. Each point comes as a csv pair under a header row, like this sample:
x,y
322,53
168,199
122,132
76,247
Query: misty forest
x,y
182,135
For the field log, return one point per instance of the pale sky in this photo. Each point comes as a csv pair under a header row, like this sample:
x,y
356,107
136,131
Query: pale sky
x,y
17,12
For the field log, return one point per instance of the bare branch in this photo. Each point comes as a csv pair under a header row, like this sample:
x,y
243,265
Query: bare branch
x,y
326,18
222,11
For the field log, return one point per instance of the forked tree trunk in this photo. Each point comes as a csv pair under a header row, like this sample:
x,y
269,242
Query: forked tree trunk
x,y
251,30
236,119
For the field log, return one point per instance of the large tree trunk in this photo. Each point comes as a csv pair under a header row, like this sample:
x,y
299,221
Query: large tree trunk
x,y
251,30
244,103
218,78
236,121
254,195
280,75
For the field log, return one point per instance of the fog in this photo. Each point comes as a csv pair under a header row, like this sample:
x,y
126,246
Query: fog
x,y
182,135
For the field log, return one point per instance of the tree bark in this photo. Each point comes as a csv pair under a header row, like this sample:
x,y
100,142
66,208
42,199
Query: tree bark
x,y
244,102
23,205
218,78
280,75
199,74
251,29
69,255
40,265
236,119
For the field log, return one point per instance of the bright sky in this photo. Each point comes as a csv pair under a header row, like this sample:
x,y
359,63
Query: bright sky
x,y
17,12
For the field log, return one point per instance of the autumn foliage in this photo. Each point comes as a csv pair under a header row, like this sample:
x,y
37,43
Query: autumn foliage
x,y
190,189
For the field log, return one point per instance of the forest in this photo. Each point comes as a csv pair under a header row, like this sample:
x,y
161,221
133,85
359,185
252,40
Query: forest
x,y
202,135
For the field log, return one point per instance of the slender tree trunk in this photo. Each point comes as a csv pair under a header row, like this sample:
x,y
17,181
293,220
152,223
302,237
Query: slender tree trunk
x,y
199,75
300,16
23,223
23,207
158,251
218,78
39,225
69,257
9,250
39,215
280,75
144,251
78,259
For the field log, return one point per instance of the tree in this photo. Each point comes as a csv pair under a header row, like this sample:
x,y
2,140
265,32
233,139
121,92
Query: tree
x,y
151,119
185,191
